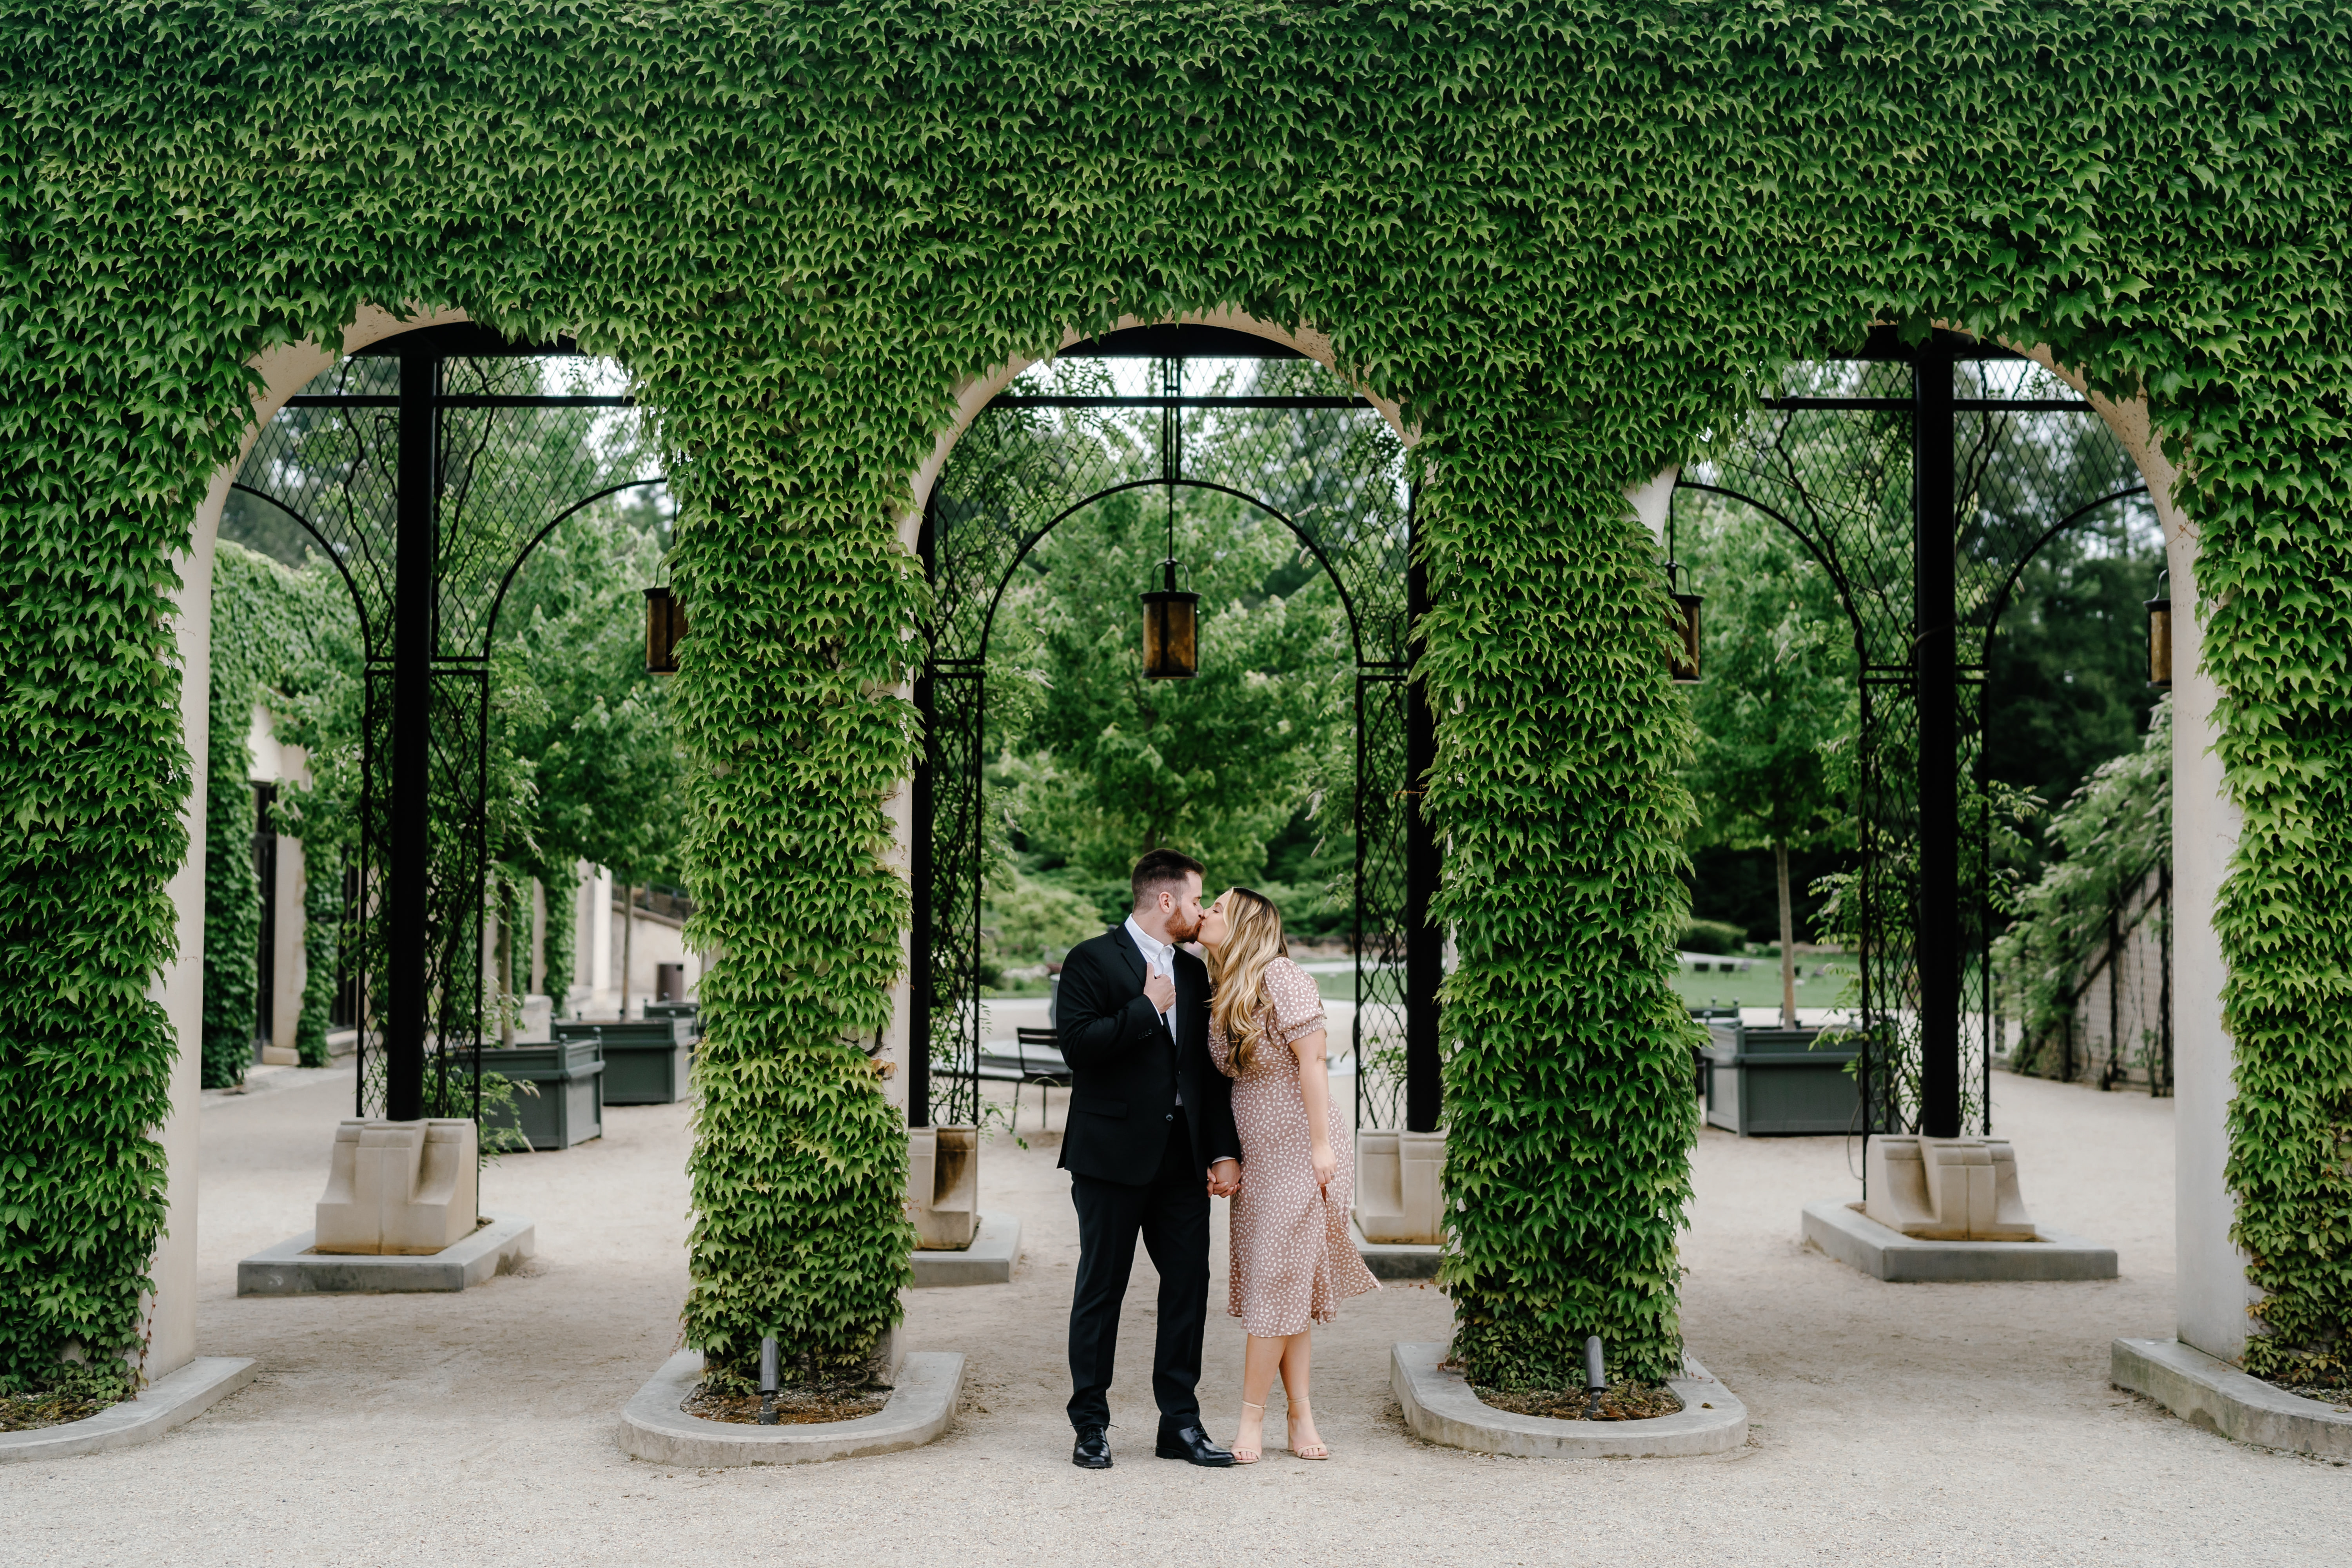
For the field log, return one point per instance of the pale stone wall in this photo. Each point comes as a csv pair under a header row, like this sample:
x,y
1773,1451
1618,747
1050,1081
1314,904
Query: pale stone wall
x,y
289,767
2213,1291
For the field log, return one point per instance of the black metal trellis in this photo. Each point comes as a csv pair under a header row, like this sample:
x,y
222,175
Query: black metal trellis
x,y
1923,479
1292,445
422,467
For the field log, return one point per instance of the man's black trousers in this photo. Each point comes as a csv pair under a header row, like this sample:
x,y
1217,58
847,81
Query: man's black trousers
x,y
1173,1216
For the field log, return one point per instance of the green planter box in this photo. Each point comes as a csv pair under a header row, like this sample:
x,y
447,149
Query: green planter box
x,y
569,1107
689,1011
645,1063
1762,1082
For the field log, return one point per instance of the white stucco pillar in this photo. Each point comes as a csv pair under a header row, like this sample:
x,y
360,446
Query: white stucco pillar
x,y
538,984
179,986
596,933
1652,499
2213,1294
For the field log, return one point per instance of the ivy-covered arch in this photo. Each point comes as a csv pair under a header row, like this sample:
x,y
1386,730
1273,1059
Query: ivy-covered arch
x,y
1565,243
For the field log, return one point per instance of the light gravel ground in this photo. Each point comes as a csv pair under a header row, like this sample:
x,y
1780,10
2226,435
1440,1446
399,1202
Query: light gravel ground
x,y
1892,1423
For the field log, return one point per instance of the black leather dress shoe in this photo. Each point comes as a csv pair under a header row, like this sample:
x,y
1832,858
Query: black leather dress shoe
x,y
1092,1451
1192,1445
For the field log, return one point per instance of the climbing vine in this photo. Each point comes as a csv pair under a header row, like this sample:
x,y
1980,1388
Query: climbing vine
x,y
1567,243
267,621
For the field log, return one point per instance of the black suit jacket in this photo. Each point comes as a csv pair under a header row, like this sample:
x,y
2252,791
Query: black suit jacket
x,y
1125,1071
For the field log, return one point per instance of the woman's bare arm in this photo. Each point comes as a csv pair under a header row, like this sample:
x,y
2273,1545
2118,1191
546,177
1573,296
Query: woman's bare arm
x,y
1314,1086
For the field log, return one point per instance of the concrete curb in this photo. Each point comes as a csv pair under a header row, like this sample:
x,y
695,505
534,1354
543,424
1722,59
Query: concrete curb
x,y
1395,1259
2209,1392
1440,1407
1854,1239
168,1402
989,1260
653,1427
291,1268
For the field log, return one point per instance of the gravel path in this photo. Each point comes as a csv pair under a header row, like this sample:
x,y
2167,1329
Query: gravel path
x,y
1892,1424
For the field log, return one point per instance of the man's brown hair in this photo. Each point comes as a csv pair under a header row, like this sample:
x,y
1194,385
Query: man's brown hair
x,y
1160,868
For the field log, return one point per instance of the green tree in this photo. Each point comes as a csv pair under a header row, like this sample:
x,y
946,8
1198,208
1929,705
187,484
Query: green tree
x,y
607,782
1102,763
2066,671
1776,702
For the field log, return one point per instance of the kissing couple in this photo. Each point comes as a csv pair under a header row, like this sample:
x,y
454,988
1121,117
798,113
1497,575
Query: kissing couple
x,y
1188,1081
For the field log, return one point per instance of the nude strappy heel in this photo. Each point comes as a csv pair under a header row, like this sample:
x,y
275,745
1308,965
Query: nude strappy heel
x,y
1312,1450
1250,1456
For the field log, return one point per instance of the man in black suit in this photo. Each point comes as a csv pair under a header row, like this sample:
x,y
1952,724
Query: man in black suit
x,y
1150,1136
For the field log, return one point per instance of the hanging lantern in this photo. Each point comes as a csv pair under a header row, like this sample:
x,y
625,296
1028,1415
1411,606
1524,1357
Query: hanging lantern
x,y
1172,644
1172,648
664,624
1684,666
2160,633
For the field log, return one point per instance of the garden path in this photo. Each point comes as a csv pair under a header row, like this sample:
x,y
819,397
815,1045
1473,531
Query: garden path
x,y
1899,1424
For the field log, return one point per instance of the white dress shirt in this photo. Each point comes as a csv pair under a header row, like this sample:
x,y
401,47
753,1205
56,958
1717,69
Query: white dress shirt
x,y
1160,958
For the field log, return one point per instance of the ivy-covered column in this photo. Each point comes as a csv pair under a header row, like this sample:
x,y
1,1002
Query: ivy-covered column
x,y
2273,502
1567,1095
800,604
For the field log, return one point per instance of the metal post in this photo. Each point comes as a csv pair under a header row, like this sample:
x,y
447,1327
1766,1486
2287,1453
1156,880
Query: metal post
x,y
1364,782
1936,942
920,867
919,945
1424,950
406,919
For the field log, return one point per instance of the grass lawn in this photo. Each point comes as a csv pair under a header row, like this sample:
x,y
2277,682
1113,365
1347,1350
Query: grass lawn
x,y
1760,986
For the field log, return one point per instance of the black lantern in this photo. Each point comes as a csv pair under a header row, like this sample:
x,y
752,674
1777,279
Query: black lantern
x,y
664,624
1684,665
1172,644
1172,648
2160,633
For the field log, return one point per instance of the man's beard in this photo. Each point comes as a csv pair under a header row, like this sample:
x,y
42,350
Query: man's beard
x,y
1178,933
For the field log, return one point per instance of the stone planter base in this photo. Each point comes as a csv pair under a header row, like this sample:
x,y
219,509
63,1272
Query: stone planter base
x,y
1395,1259
1854,1239
291,1268
653,1427
2212,1394
1440,1407
168,1402
995,1248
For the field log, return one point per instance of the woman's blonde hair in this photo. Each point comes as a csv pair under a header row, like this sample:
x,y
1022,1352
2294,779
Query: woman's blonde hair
x,y
1237,965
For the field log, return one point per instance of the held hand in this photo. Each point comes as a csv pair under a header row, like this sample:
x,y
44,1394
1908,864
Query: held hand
x,y
1224,1178
1162,991
1327,1165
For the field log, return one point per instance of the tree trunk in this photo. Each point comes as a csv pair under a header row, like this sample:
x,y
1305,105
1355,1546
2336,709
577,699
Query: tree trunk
x,y
628,938
1788,942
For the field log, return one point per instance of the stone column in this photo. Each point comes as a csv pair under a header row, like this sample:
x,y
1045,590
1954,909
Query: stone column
x,y
2212,1292
593,943
179,986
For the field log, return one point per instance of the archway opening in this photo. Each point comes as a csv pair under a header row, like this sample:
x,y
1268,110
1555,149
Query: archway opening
x,y
1288,500
1893,501
491,509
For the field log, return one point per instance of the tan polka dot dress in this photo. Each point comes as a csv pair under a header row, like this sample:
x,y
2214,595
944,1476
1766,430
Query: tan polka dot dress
x,y
1292,1261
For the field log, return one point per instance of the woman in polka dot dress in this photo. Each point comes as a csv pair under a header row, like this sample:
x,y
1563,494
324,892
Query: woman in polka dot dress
x,y
1292,1261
